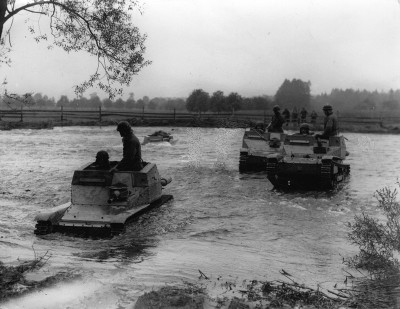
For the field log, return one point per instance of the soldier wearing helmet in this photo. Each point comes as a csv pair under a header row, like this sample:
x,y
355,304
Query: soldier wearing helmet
x,y
304,129
102,162
132,153
330,123
286,115
277,121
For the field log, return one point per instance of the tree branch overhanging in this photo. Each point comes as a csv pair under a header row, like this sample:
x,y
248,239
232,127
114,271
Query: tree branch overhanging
x,y
102,29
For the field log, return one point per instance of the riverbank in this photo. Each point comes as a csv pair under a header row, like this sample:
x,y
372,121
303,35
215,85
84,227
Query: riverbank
x,y
14,281
251,294
217,292
195,122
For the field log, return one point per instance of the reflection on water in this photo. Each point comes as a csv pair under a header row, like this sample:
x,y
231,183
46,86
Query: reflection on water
x,y
220,221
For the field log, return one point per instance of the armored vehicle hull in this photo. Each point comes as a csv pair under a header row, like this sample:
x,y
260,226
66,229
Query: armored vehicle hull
x,y
255,149
158,137
309,164
103,202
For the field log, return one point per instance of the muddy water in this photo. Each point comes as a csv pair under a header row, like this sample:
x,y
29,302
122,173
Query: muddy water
x,y
225,224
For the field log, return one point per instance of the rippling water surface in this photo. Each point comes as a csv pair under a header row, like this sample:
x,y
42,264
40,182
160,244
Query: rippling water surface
x,y
221,222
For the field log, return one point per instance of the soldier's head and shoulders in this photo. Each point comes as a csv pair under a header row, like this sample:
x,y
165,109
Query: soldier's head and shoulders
x,y
328,111
126,132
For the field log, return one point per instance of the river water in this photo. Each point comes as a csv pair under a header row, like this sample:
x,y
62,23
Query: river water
x,y
231,226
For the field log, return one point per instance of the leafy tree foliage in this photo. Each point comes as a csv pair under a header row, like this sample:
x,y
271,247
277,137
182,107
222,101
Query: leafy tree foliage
x,y
218,102
119,103
391,105
94,101
101,28
15,101
198,101
42,101
130,103
140,103
234,101
63,101
294,93
175,103
107,103
257,103
350,100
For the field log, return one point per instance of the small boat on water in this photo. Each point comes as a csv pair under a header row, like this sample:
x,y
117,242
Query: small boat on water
x,y
103,202
157,137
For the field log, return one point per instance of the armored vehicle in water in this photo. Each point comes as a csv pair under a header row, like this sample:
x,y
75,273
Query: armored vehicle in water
x,y
104,201
256,146
158,136
309,163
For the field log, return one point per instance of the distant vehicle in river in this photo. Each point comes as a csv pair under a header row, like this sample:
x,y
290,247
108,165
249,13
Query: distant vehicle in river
x,y
158,136
103,201
256,146
309,163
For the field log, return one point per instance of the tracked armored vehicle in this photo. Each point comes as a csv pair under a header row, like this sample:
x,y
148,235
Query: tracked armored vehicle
x,y
103,201
156,137
308,163
256,146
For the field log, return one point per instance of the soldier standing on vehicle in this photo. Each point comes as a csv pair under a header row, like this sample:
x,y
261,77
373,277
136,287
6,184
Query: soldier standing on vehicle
x,y
277,121
330,123
313,117
132,153
295,113
303,115
286,115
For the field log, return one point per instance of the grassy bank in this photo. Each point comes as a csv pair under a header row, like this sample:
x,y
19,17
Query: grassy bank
x,y
13,280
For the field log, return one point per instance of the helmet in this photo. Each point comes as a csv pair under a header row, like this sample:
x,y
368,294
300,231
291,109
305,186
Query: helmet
x,y
305,127
102,155
276,108
327,107
102,159
124,127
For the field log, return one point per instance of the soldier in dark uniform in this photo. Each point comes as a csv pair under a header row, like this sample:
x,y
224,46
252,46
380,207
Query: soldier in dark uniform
x,y
277,121
304,129
303,115
330,123
313,117
295,114
132,153
286,114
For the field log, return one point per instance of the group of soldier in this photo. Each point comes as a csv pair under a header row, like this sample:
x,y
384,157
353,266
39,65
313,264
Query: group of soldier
x,y
294,118
330,122
132,158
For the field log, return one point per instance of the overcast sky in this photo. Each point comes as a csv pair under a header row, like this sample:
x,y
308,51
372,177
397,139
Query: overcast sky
x,y
245,46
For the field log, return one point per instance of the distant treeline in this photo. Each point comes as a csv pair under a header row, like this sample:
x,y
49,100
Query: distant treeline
x,y
294,93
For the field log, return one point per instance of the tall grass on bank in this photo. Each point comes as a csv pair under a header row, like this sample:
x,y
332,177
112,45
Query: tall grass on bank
x,y
378,239
379,248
